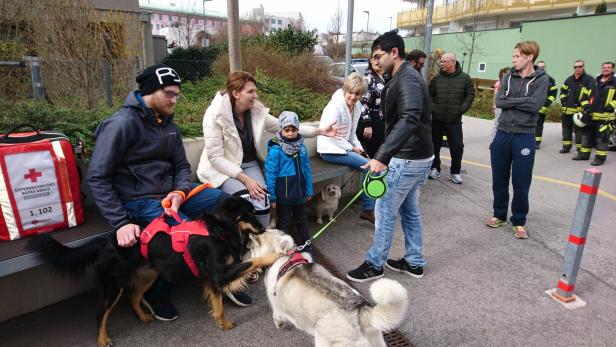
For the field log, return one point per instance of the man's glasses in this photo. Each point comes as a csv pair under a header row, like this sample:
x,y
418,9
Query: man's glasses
x,y
578,66
170,95
378,56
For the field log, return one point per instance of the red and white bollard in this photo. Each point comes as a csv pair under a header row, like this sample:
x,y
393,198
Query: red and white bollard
x,y
577,239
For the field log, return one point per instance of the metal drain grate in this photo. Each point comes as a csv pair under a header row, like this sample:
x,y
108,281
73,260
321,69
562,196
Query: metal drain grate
x,y
394,338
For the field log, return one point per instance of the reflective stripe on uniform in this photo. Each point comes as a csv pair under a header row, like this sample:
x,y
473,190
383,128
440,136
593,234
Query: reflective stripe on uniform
x,y
603,116
585,150
601,153
567,143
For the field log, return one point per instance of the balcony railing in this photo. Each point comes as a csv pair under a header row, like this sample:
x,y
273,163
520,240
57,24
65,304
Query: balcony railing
x,y
482,8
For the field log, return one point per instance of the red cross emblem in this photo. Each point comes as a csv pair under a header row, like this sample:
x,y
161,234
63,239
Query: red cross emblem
x,y
33,175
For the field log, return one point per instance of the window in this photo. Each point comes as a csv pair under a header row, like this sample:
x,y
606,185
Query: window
x,y
273,21
280,22
171,18
160,16
481,67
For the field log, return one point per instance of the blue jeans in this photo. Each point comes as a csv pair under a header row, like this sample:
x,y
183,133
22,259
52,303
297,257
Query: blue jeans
x,y
143,211
404,182
512,155
355,161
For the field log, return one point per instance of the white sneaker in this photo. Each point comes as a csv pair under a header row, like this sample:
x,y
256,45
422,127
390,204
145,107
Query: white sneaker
x,y
434,174
456,178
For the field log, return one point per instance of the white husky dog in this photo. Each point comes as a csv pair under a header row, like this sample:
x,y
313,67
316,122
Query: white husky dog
x,y
315,301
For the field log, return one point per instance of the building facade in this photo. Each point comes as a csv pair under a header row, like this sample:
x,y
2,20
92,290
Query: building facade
x,y
183,26
468,15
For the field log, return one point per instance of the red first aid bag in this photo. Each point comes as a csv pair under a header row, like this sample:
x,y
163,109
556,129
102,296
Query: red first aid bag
x,y
39,184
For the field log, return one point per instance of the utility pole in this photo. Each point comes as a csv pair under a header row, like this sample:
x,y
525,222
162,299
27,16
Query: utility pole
x,y
233,14
390,17
349,40
428,40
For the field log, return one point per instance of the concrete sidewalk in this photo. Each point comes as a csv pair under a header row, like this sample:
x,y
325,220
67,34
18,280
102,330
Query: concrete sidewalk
x,y
482,287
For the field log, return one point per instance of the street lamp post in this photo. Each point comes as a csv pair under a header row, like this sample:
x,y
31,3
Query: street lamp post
x,y
368,20
390,17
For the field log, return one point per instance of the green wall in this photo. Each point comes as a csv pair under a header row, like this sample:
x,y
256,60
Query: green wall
x,y
493,47
561,41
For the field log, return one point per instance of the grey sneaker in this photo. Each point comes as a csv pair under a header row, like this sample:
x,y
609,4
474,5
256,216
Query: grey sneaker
x,y
434,174
456,178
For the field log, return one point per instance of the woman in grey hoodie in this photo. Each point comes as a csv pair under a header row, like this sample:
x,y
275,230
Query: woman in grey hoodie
x,y
512,152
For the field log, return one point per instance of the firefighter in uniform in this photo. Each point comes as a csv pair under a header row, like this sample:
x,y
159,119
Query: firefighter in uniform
x,y
574,96
602,105
552,91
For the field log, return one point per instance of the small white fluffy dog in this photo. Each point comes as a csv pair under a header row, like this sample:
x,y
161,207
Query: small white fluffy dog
x,y
326,203
315,301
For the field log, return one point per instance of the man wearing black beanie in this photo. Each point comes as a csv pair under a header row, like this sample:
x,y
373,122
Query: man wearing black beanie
x,y
138,161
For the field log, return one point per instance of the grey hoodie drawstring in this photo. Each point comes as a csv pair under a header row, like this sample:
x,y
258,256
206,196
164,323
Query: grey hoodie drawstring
x,y
528,84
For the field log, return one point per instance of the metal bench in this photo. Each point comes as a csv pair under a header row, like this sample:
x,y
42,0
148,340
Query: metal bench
x,y
15,257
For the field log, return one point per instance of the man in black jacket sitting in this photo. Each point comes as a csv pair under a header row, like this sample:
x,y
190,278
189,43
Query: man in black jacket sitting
x,y
407,154
452,94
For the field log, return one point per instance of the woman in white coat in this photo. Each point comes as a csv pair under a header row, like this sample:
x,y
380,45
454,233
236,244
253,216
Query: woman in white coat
x,y
345,109
233,128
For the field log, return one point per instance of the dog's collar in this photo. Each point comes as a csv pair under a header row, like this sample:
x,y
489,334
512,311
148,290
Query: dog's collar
x,y
296,259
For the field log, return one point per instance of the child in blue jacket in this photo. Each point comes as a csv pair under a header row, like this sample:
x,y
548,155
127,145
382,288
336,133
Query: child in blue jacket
x,y
288,176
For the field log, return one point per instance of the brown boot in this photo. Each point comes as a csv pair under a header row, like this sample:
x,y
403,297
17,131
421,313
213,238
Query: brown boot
x,y
367,215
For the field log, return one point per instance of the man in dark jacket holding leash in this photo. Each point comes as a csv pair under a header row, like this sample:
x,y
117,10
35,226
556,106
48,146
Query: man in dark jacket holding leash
x,y
138,161
407,154
452,94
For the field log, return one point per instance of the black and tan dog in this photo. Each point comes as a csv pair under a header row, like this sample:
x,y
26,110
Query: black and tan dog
x,y
217,257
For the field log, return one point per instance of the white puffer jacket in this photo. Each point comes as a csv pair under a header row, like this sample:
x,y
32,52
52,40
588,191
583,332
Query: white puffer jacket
x,y
338,111
222,152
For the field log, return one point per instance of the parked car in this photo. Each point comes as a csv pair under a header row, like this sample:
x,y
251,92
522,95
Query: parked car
x,y
337,70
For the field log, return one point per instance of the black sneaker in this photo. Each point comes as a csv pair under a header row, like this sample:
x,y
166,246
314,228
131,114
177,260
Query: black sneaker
x,y
401,265
240,298
163,311
364,273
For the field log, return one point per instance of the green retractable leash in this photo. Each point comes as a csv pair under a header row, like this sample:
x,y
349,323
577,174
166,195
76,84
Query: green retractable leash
x,y
373,185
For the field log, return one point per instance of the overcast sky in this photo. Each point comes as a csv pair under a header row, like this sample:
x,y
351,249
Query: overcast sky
x,y
317,13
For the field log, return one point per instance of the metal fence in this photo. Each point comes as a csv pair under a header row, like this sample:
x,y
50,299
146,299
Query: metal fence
x,y
87,83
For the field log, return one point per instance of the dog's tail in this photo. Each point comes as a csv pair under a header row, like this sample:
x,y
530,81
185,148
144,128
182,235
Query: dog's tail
x,y
391,303
69,261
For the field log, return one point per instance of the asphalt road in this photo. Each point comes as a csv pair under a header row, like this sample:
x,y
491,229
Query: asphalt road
x,y
482,287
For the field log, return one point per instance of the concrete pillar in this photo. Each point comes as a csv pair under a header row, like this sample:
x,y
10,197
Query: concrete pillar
x,y
233,14
147,43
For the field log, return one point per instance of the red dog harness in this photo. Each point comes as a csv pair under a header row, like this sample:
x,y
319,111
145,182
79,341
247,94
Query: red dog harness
x,y
295,260
179,233
179,236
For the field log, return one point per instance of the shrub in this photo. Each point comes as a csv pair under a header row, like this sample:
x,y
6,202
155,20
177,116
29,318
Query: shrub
x,y
482,105
303,69
193,63
293,41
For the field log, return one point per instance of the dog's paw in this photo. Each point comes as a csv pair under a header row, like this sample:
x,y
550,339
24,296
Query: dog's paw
x,y
319,221
104,341
278,323
147,318
226,324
